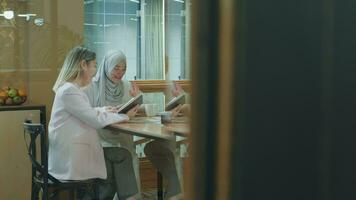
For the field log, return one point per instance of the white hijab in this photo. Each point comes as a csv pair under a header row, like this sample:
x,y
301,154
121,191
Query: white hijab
x,y
107,92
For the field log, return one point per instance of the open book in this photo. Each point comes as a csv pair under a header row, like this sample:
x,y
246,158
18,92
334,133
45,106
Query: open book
x,y
176,101
137,100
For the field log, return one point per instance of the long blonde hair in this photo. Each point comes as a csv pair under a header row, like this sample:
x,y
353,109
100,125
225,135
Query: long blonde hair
x,y
71,66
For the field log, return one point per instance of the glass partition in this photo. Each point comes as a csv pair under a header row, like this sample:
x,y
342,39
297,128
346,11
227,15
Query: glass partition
x,y
37,35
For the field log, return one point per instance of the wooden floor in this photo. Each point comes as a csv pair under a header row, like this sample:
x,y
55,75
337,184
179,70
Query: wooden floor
x,y
148,175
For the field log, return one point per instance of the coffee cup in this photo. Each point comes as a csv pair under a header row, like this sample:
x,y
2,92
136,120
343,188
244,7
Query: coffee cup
x,y
166,117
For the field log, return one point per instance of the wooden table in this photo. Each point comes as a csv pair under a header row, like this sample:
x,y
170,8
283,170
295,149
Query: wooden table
x,y
41,108
180,129
146,130
150,127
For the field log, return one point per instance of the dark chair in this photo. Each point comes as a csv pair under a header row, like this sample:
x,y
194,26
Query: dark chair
x,y
41,179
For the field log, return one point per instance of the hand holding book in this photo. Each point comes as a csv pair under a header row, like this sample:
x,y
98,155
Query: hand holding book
x,y
175,111
176,101
137,100
132,112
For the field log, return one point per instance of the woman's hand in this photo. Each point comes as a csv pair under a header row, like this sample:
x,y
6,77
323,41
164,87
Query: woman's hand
x,y
132,112
185,109
177,89
175,111
134,89
112,109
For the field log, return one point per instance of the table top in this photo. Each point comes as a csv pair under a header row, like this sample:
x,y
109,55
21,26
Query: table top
x,y
151,128
147,130
181,129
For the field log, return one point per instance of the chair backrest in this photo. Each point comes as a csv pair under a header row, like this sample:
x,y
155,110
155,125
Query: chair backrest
x,y
39,169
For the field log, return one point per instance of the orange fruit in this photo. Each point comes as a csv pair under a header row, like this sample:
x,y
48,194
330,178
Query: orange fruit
x,y
22,92
3,94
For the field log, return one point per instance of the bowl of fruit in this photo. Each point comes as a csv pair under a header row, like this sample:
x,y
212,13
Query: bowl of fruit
x,y
12,96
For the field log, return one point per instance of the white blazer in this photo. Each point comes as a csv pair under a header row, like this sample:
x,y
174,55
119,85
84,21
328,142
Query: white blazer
x,y
75,152
111,138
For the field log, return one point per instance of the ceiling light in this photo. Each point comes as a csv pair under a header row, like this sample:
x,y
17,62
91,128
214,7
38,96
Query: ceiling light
x,y
88,2
180,1
135,1
8,14
27,16
39,21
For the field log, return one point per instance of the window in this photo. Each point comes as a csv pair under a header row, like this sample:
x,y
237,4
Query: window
x,y
152,34
113,25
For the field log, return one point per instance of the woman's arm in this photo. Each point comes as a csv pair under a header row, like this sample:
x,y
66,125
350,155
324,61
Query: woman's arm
x,y
78,105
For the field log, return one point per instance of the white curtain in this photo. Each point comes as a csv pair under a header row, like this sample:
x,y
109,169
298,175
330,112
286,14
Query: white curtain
x,y
152,46
152,39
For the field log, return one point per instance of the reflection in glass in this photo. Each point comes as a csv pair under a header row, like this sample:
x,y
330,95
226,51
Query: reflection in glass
x,y
177,38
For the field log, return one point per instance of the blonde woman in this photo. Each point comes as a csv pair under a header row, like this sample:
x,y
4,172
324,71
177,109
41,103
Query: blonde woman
x,y
75,152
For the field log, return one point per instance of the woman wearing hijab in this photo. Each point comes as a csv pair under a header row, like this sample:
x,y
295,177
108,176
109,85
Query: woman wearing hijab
x,y
75,152
109,89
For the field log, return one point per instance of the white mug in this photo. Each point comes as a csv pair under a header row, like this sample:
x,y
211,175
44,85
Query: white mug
x,y
166,117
